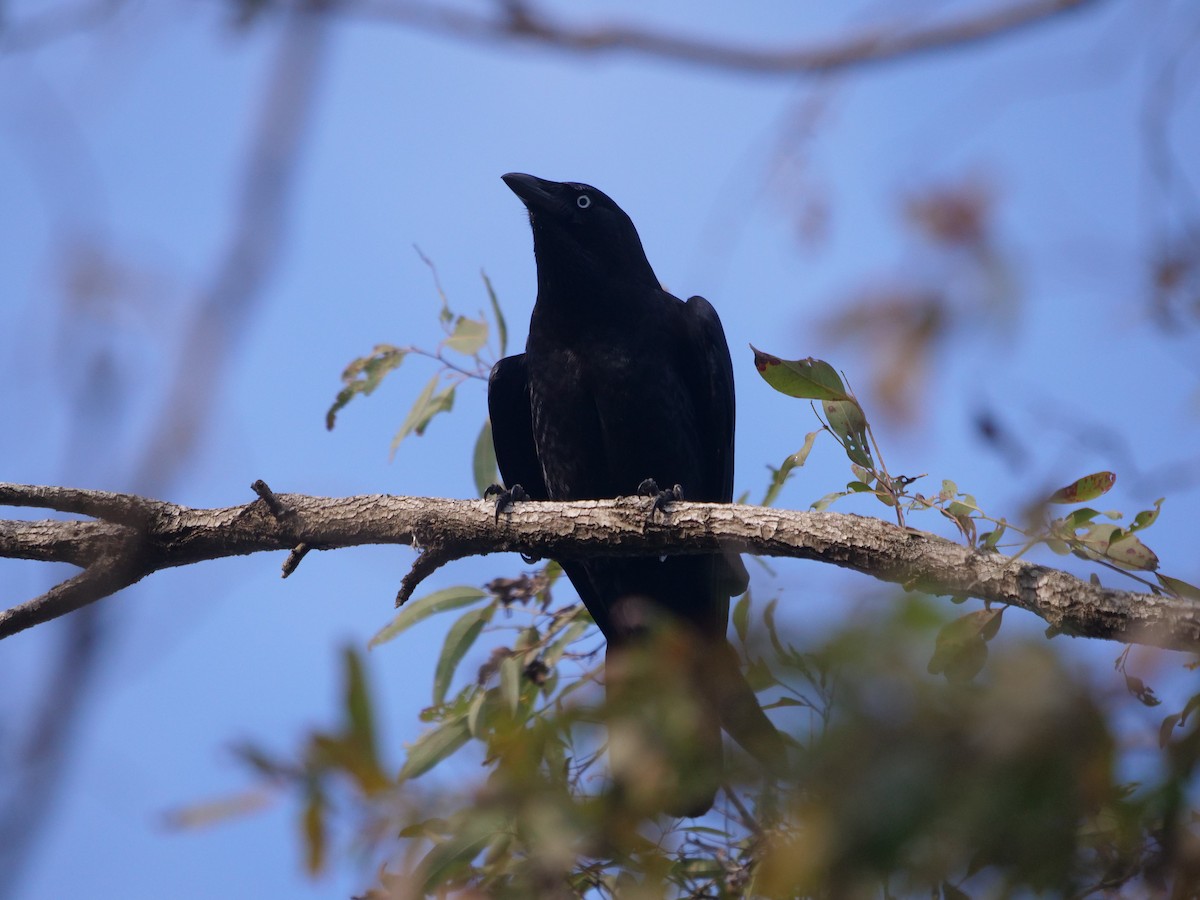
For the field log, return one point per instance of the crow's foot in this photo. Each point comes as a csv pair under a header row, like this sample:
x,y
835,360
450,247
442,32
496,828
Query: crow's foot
x,y
505,497
650,488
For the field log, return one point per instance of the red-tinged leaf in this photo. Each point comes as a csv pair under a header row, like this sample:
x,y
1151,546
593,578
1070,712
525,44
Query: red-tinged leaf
x,y
808,379
1089,487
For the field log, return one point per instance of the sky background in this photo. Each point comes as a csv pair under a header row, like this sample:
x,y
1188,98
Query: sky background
x,y
124,151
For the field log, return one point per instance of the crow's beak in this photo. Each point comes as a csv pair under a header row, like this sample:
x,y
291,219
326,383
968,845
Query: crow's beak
x,y
537,194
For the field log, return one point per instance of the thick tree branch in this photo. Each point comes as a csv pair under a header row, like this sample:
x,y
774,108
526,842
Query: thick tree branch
x,y
163,535
525,21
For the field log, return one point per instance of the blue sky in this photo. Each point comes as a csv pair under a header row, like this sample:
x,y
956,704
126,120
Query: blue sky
x,y
129,140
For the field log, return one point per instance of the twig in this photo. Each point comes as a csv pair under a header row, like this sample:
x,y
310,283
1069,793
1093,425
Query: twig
x,y
428,561
870,46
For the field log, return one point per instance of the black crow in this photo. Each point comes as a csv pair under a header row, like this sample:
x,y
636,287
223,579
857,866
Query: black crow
x,y
625,389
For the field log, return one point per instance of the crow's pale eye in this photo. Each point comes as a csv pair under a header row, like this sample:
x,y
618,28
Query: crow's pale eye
x,y
583,201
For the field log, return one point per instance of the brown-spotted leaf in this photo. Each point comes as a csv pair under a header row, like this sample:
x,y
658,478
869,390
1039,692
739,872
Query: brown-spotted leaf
x,y
847,421
808,379
1089,487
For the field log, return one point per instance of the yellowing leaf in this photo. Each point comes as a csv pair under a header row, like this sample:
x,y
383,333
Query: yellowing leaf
x,y
468,336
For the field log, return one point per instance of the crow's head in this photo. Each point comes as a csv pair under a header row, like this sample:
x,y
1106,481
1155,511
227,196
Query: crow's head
x,y
579,232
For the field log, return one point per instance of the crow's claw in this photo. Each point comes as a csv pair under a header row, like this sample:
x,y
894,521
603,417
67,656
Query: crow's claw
x,y
649,488
505,497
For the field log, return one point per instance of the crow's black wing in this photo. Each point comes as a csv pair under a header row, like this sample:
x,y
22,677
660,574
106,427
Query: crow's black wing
x,y
517,458
512,427
711,385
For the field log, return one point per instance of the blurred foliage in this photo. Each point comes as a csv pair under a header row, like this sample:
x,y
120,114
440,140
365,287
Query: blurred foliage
x,y
901,784
1008,775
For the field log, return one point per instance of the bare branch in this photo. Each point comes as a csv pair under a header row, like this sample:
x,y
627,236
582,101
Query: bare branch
x,y
451,529
872,45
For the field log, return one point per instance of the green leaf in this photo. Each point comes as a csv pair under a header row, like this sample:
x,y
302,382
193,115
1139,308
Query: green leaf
x,y
483,460
473,710
847,421
358,706
697,867
772,633
416,610
363,375
1089,487
468,336
1179,588
828,500
961,647
786,702
510,682
459,639
314,831
741,616
1147,517
809,379
781,475
447,862
428,404
1080,517
501,326
433,746
991,538
572,633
